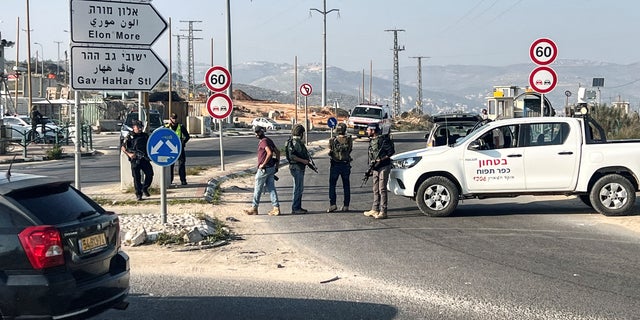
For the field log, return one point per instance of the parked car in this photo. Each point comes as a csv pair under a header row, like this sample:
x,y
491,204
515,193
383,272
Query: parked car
x,y
21,127
266,123
449,127
154,122
60,252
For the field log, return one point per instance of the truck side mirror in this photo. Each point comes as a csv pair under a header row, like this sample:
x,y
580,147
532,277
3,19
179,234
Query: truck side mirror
x,y
476,145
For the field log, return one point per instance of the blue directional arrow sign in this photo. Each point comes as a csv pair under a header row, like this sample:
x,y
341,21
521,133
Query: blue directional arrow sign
x,y
332,122
164,147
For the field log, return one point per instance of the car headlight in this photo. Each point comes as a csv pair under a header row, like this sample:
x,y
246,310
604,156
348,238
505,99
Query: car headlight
x,y
406,163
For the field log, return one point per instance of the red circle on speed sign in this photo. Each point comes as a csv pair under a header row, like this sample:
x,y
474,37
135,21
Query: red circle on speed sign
x,y
219,105
217,78
305,89
543,51
543,79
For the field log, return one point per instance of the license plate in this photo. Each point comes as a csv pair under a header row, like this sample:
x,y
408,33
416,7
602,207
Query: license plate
x,y
361,132
94,242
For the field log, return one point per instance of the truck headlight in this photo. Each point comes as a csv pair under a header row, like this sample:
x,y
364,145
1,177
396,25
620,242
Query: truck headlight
x,y
406,163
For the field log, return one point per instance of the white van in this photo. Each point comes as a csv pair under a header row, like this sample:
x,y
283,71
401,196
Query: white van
x,y
363,114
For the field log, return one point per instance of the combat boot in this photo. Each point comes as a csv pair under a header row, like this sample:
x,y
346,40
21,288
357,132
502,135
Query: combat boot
x,y
371,213
332,208
381,215
251,211
275,211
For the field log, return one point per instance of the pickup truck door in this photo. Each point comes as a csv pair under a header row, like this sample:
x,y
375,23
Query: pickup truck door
x,y
552,156
497,166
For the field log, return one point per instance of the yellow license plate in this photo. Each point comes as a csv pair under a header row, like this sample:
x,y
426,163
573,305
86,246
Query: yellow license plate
x,y
94,242
361,132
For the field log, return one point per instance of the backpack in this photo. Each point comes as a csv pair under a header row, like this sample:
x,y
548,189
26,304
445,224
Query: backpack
x,y
341,151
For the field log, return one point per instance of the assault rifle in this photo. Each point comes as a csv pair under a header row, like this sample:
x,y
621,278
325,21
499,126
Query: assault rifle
x,y
369,171
312,165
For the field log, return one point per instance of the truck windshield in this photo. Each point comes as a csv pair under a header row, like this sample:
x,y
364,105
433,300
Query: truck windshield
x,y
477,127
365,112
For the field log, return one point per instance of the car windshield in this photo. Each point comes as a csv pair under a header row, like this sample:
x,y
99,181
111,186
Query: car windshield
x,y
479,126
366,112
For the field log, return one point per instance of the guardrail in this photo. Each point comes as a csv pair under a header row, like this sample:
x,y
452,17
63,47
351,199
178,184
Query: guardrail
x,y
11,138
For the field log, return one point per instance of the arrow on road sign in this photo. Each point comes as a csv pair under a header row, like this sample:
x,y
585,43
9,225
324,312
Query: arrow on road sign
x,y
115,23
160,138
100,68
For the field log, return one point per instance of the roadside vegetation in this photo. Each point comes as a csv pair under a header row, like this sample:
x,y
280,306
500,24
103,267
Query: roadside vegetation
x,y
616,123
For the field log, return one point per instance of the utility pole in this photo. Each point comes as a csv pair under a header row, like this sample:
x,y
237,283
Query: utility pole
x,y
190,61
396,72
419,100
58,62
324,13
179,58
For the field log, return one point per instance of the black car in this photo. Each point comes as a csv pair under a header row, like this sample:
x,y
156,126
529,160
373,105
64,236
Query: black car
x,y
449,127
60,254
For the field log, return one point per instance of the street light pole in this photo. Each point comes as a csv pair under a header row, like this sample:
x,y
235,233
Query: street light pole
x,y
324,13
42,58
58,62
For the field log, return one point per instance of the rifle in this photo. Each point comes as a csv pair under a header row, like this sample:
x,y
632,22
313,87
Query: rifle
x,y
312,165
369,171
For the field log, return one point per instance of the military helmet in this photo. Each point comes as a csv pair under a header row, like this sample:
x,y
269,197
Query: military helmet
x,y
297,130
341,128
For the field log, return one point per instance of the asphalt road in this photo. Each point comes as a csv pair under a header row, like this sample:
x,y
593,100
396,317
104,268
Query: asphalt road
x,y
520,258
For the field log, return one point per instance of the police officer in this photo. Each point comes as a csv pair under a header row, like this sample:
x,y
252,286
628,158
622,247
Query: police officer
x,y
135,147
183,134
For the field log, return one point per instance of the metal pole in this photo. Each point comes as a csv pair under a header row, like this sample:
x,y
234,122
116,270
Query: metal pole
x,y
30,99
306,122
324,13
78,141
58,62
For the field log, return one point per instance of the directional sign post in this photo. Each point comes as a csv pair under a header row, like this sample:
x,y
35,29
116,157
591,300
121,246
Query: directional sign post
x,y
332,122
101,68
306,90
115,23
164,148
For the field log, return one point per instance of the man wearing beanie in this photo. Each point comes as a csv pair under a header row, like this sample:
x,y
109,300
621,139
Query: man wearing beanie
x,y
268,161
299,158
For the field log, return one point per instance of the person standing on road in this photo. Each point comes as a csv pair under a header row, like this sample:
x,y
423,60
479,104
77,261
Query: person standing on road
x,y
381,149
298,157
36,119
268,161
135,147
340,148
183,134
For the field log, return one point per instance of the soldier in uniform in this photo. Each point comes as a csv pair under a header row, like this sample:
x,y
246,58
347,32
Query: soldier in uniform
x,y
381,149
135,147
340,148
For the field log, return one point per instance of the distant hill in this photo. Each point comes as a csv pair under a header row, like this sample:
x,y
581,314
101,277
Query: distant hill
x,y
445,88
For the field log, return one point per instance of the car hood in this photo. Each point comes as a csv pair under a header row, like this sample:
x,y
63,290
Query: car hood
x,y
421,152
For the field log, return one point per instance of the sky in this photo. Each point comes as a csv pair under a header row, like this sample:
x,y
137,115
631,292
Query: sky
x,y
457,32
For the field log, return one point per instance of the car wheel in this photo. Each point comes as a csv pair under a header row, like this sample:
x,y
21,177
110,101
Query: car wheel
x,y
613,195
437,197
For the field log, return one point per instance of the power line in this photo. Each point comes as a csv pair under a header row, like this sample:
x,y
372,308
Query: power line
x,y
396,71
190,60
419,100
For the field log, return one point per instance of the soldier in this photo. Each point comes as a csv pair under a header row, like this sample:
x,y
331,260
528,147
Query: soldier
x,y
135,147
340,157
381,149
299,158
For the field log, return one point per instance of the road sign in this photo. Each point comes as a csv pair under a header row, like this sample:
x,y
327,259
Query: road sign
x,y
115,22
305,89
219,105
217,78
95,68
164,147
332,122
543,51
543,79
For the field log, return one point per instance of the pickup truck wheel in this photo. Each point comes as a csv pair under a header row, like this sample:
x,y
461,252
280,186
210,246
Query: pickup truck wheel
x,y
613,195
437,197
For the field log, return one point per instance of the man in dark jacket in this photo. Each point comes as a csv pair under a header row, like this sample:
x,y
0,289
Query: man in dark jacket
x,y
183,134
381,149
135,147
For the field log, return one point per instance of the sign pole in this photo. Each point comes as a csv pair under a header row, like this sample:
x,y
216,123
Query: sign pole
x,y
221,146
163,194
542,104
306,122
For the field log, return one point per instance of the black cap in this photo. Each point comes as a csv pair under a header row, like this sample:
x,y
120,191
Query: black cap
x,y
258,129
137,123
173,116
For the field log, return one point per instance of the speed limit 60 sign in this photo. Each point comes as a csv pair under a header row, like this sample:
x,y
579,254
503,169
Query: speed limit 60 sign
x,y
543,51
217,78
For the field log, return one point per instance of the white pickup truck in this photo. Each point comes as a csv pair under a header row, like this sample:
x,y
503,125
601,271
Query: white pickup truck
x,y
524,156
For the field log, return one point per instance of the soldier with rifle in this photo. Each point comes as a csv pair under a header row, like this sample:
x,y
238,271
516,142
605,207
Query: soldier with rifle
x,y
381,149
299,158
135,147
